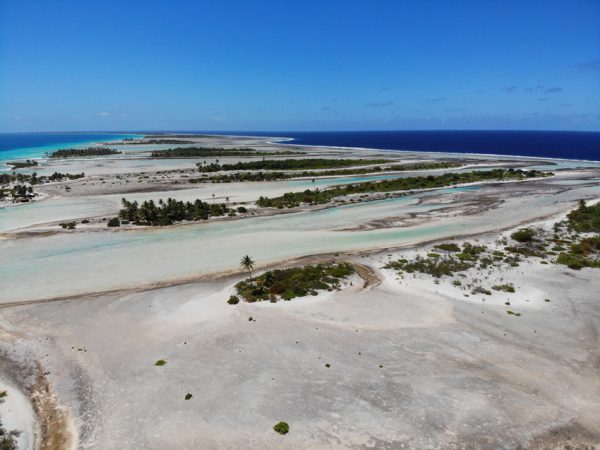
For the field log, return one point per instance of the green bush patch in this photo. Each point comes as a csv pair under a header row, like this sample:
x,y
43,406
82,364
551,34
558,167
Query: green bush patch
x,y
294,282
114,222
480,290
448,247
282,428
504,288
523,235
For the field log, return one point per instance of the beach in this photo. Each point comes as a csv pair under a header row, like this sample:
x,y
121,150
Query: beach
x,y
387,361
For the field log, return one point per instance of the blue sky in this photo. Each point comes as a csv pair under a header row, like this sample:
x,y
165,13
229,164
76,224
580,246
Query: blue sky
x,y
299,65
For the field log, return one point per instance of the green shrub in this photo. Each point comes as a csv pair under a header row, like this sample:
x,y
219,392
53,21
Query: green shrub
x,y
160,362
281,428
233,300
114,222
585,218
294,282
480,290
448,247
504,287
188,396
8,439
69,225
523,235
437,267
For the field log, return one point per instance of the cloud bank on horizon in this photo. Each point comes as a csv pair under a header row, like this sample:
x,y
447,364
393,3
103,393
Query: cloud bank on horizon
x,y
267,65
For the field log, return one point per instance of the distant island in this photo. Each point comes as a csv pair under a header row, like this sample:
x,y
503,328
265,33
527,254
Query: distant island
x,y
83,152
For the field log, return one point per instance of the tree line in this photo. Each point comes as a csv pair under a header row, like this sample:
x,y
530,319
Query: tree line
x,y
33,179
289,164
79,152
23,164
211,152
19,193
170,211
273,176
314,197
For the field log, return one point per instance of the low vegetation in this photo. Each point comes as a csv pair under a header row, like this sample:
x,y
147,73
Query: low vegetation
x,y
287,284
155,141
523,235
481,290
436,267
585,253
113,222
580,251
244,176
574,242
281,428
211,152
23,164
507,287
314,197
160,362
8,439
289,164
68,225
33,179
585,219
448,247
83,152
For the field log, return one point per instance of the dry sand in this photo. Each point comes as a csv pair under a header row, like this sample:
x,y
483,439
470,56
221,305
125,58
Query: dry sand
x,y
412,363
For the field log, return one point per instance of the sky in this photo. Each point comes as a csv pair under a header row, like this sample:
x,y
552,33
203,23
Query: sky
x,y
299,65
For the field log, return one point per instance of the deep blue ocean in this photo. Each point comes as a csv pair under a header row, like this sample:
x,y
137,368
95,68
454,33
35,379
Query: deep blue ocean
x,y
548,144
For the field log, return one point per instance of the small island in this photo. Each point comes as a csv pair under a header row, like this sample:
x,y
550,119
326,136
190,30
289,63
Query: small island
x,y
83,152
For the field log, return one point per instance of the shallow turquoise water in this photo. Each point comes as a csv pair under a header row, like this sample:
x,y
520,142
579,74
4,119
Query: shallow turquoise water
x,y
37,151
74,263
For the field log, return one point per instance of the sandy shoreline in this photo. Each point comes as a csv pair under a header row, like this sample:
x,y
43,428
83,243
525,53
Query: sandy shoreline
x,y
386,362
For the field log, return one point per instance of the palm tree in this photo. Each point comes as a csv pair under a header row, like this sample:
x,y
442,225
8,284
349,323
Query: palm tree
x,y
248,263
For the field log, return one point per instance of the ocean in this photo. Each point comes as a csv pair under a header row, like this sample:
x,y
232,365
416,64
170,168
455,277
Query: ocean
x,y
547,144
34,145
